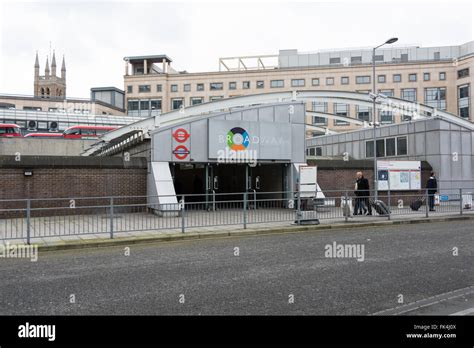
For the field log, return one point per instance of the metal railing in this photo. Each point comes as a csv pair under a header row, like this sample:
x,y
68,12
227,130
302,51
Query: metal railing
x,y
29,219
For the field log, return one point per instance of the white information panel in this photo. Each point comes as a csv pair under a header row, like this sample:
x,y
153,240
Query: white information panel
x,y
399,175
308,180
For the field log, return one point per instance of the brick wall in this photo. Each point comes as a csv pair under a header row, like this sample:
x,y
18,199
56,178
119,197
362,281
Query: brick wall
x,y
70,177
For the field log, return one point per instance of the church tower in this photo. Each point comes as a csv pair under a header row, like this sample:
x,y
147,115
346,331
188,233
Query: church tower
x,y
50,86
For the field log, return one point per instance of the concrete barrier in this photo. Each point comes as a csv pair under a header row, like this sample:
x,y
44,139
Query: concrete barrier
x,y
43,147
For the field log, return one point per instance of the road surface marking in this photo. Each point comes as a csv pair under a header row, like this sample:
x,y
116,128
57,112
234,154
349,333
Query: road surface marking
x,y
464,312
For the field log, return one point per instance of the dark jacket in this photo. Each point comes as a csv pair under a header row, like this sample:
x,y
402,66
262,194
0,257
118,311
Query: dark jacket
x,y
362,187
432,185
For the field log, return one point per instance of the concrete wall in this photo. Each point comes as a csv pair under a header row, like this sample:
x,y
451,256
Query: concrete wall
x,y
43,147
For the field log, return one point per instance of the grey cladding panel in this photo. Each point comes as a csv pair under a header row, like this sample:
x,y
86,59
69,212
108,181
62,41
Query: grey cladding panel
x,y
162,146
265,114
297,143
236,115
199,141
282,113
250,115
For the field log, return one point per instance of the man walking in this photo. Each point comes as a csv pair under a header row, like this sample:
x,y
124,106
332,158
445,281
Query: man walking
x,y
363,194
432,187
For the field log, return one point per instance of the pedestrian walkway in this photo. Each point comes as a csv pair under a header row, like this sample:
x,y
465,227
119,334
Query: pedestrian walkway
x,y
53,229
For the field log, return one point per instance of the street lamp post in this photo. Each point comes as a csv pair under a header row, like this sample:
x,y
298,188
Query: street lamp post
x,y
374,113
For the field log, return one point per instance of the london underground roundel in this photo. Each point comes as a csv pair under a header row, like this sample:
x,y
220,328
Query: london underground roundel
x,y
181,152
237,139
181,135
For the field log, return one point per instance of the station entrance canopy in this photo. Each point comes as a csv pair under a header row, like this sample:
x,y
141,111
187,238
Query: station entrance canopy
x,y
247,149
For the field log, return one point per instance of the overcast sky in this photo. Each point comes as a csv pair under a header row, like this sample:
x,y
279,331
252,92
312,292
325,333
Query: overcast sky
x,y
94,36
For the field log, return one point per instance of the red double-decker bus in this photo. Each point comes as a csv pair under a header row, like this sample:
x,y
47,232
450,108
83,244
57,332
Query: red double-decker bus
x,y
10,130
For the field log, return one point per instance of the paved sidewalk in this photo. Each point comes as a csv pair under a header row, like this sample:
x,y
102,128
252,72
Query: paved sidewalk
x,y
70,229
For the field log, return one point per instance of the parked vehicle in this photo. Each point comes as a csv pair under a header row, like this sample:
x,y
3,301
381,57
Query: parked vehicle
x,y
44,135
10,130
85,132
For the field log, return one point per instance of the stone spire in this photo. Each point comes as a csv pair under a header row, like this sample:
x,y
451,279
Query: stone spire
x,y
53,65
46,69
63,69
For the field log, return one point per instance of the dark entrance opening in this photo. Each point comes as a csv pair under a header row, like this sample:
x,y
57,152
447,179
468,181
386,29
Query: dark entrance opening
x,y
202,182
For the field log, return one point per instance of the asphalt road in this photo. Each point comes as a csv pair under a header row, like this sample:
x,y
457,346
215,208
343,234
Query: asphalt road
x,y
415,261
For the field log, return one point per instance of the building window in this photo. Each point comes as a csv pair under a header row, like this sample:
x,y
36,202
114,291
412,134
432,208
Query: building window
x,y
402,148
412,77
174,88
409,94
404,57
176,103
215,97
335,60
187,87
380,143
155,104
379,57
463,101
246,84
387,147
329,81
397,78
297,83
133,105
159,88
129,89
200,87
260,84
384,115
232,85
363,113
442,76
356,60
216,86
341,110
277,83
436,97
362,79
369,149
144,104
344,80
390,149
381,78
315,82
436,55
426,76
196,100
320,107
144,88
463,73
